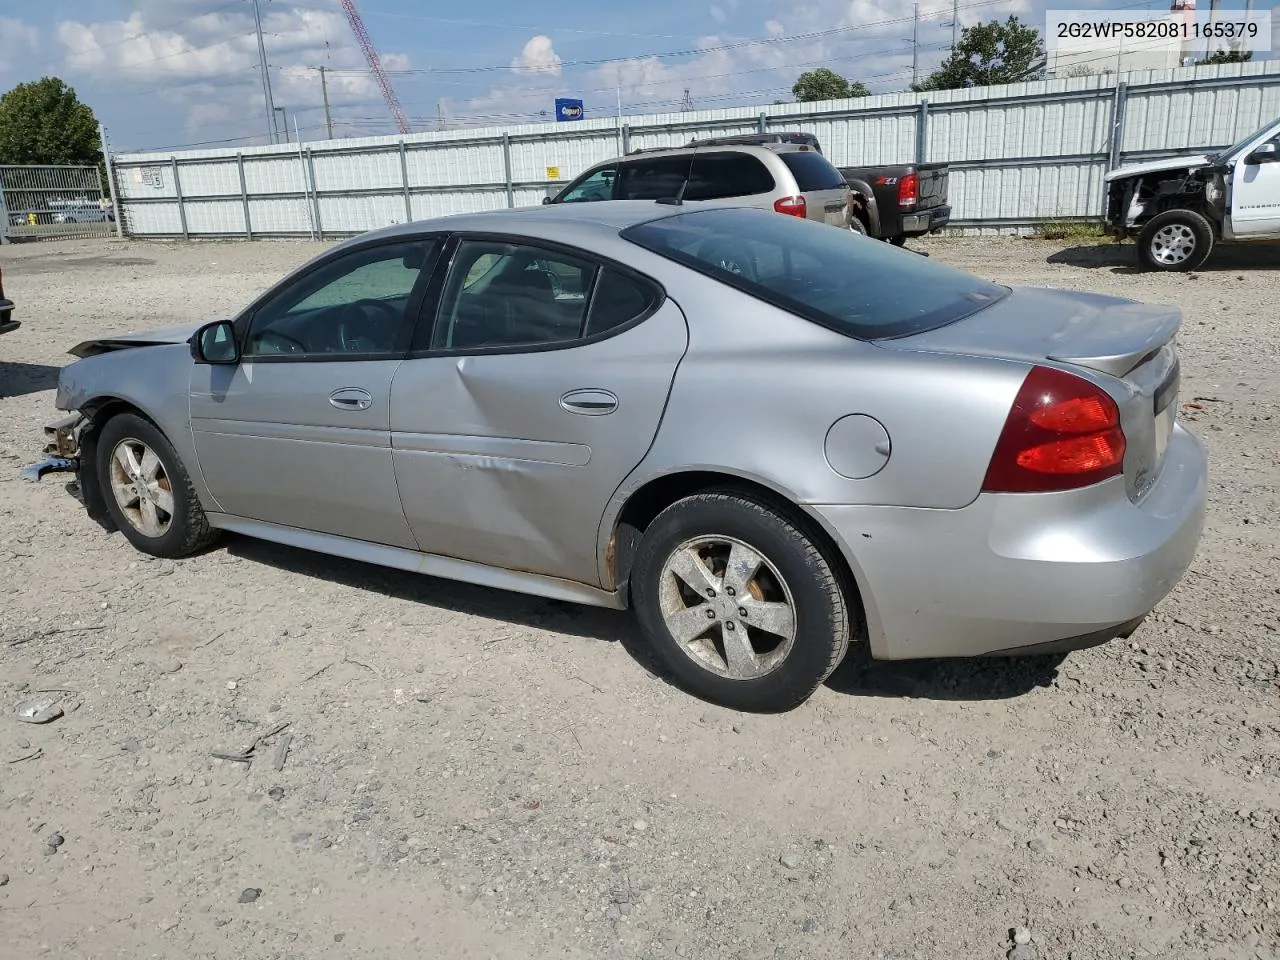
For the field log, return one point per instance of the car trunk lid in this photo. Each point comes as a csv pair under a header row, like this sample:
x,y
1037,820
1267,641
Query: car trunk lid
x,y
828,206
1127,347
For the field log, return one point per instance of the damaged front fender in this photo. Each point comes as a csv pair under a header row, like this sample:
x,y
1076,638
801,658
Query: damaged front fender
x,y
1132,201
71,447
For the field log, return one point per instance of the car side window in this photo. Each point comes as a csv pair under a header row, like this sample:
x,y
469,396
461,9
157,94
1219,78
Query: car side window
x,y
598,186
509,295
651,179
618,299
720,175
352,306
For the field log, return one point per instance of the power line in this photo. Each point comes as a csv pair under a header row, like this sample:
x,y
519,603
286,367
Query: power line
x,y
698,51
499,25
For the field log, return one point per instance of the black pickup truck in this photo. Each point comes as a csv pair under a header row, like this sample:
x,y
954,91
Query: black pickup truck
x,y
897,202
889,203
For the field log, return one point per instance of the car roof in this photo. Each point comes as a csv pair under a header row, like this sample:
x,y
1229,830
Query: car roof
x,y
752,149
612,217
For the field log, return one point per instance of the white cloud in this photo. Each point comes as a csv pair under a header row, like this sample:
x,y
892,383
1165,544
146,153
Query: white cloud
x,y
718,15
208,68
538,57
17,40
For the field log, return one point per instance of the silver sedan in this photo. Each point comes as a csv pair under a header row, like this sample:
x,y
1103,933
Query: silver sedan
x,y
769,438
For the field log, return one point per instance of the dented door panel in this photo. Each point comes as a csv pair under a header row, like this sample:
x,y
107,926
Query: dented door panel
x,y
509,458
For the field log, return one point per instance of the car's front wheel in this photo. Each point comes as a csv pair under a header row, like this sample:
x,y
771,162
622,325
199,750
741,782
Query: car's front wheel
x,y
1175,240
148,491
740,603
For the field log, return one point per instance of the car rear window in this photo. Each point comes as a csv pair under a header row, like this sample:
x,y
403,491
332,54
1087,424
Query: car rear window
x,y
812,171
851,284
720,175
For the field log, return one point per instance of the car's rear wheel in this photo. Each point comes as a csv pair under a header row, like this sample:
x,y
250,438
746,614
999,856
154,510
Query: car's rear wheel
x,y
740,603
857,226
1175,240
149,493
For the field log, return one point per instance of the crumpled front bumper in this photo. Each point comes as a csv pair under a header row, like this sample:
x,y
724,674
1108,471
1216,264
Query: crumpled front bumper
x,y
62,451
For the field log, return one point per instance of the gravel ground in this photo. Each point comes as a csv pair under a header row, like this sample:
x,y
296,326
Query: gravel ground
x,y
478,774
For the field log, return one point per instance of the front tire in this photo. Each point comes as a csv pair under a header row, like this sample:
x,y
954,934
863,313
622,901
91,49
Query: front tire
x,y
148,492
1176,240
857,226
739,602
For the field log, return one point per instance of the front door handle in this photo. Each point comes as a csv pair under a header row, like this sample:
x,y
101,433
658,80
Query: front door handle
x,y
589,403
351,398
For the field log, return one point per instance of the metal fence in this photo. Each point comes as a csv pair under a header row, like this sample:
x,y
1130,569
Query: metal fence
x,y
45,202
1020,155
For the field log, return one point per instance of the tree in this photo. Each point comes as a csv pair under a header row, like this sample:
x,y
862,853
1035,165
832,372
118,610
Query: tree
x,y
988,54
1226,56
824,84
45,122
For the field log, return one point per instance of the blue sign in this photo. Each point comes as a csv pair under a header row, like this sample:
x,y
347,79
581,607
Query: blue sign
x,y
569,109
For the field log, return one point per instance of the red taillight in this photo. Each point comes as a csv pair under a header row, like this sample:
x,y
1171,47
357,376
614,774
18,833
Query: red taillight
x,y
792,206
908,190
1061,433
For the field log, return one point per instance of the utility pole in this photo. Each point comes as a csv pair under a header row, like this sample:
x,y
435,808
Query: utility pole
x,y
955,24
284,122
915,45
324,92
266,77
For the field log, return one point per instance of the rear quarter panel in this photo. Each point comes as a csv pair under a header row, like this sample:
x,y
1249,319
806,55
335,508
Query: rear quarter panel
x,y
759,390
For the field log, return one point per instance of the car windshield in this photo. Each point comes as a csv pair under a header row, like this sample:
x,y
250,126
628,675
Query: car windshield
x,y
1239,144
854,285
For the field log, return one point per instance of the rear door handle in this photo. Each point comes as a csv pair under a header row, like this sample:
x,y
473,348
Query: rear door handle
x,y
351,398
589,403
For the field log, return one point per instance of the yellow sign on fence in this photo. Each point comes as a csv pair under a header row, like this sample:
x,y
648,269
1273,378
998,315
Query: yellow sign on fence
x,y
553,173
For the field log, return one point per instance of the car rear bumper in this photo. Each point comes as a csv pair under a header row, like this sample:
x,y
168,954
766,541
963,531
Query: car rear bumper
x,y
7,323
926,221
1023,573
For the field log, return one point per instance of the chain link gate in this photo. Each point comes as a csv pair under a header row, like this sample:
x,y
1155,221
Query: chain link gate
x,y
46,202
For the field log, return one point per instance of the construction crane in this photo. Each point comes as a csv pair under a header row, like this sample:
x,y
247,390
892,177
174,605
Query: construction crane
x,y
375,65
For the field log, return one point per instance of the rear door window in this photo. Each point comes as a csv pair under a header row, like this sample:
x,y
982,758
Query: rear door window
x,y
721,175
652,179
812,171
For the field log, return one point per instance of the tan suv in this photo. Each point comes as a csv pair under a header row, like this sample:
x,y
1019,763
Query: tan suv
x,y
794,179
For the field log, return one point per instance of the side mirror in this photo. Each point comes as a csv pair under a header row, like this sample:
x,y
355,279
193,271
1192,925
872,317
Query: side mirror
x,y
215,343
545,201
1265,153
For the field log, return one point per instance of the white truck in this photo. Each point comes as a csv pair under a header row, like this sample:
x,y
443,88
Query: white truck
x,y
1179,207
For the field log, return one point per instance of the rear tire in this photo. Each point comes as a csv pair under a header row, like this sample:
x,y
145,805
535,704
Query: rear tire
x,y
148,492
739,603
1176,240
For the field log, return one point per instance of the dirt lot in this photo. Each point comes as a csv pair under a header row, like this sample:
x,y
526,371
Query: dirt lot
x,y
476,774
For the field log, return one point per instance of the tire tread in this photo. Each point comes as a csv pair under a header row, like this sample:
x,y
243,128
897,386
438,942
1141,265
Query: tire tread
x,y
196,531
828,580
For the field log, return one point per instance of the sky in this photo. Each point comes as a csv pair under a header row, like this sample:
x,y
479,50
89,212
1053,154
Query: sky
x,y
170,73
